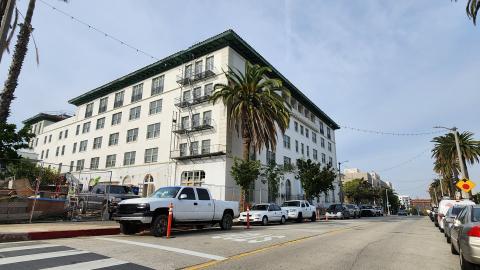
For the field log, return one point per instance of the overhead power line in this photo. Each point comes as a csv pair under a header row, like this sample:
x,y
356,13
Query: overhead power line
x,y
405,162
393,133
94,28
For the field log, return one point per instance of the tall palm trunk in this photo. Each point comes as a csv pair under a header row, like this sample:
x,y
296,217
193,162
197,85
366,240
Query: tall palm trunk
x,y
6,97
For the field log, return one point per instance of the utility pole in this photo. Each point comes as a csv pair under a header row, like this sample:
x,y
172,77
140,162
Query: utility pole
x,y
388,204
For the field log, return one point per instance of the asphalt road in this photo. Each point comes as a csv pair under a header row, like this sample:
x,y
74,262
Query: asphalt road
x,y
367,243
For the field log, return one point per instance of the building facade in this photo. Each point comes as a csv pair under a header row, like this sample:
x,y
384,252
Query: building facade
x,y
157,127
372,177
404,201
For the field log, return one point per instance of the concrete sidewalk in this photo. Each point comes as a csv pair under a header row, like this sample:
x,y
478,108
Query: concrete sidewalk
x,y
42,231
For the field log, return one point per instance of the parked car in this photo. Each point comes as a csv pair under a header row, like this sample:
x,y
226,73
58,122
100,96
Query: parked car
x,y
104,197
339,211
354,210
299,210
367,211
378,210
191,206
433,210
465,237
443,207
402,212
264,213
449,218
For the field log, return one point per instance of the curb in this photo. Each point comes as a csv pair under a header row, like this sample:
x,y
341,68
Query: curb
x,y
14,237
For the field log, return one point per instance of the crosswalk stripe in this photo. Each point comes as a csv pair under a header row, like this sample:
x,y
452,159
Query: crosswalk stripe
x,y
89,265
26,247
32,257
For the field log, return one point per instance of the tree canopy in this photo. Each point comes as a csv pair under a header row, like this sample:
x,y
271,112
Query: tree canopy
x,y
314,178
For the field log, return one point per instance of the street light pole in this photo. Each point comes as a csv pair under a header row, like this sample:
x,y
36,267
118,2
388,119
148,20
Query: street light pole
x,y
340,184
388,204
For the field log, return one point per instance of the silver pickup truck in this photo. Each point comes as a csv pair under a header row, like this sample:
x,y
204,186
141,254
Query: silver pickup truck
x,y
191,206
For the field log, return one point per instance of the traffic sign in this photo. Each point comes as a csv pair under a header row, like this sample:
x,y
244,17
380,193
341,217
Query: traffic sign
x,y
465,185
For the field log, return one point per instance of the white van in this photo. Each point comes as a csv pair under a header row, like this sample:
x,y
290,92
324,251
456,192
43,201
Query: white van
x,y
443,207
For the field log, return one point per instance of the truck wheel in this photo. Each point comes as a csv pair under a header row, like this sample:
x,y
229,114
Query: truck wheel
x,y
226,222
159,226
265,221
300,217
82,205
105,214
283,220
314,217
129,228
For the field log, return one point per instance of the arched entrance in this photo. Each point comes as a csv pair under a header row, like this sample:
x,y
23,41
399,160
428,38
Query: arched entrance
x,y
288,190
127,181
148,185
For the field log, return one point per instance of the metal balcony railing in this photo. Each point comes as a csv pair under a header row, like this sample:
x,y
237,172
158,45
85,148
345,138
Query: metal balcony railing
x,y
186,79
205,124
200,152
183,103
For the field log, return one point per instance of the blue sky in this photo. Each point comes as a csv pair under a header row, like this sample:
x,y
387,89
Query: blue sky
x,y
398,66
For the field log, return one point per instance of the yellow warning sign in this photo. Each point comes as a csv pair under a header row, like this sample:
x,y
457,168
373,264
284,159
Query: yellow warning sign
x,y
465,185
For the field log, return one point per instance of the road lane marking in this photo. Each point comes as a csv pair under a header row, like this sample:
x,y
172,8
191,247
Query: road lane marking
x,y
166,248
250,238
26,247
32,257
89,265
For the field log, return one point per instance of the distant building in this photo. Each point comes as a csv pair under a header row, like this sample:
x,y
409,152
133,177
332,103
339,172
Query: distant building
x,y
421,204
405,201
371,177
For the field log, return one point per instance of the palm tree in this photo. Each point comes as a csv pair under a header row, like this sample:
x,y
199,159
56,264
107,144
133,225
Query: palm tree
x,y
6,97
256,105
472,10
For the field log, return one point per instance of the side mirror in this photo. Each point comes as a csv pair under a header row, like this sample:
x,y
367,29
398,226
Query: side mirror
x,y
182,196
457,223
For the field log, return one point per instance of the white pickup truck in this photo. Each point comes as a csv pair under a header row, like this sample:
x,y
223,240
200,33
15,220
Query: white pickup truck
x,y
191,206
299,210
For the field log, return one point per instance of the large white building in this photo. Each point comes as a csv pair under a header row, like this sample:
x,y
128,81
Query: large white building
x,y
156,127
371,177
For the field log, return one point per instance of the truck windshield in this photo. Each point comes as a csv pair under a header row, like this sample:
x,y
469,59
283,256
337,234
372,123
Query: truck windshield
x,y
294,204
166,192
260,207
119,190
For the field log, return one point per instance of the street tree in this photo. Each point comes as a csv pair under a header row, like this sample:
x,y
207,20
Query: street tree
x,y
314,179
271,175
245,172
257,105
12,140
358,191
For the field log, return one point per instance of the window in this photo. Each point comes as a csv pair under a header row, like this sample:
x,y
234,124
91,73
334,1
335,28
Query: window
x,y
189,192
45,140
192,178
151,155
301,129
296,146
36,142
330,161
157,85
205,147
198,67
287,161
270,157
80,164
187,95
203,194
63,150
116,118
183,149
188,71
118,102
315,154
50,138
207,118
78,130
66,134
113,139
155,107
134,113
86,127
72,163
94,162
137,92
74,149
286,141
312,118
89,110
110,161
294,103
302,150
195,120
321,129
314,137
57,151
184,122
328,133
208,89
306,132
322,142
209,63
100,123
97,143
194,148
41,155
295,123
132,135
323,158
197,93
300,108
329,146
102,107
83,146
129,158
153,131
308,151
60,135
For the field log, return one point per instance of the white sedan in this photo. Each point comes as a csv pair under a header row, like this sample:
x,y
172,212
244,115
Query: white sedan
x,y
264,213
